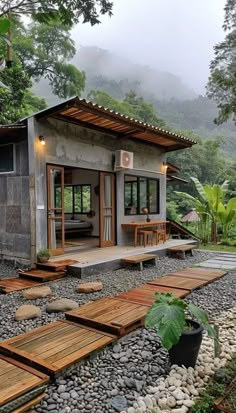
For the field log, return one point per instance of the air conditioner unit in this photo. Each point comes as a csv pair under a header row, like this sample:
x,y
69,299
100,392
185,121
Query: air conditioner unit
x,y
123,160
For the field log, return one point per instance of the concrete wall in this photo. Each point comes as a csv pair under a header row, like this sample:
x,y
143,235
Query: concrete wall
x,y
15,229
71,145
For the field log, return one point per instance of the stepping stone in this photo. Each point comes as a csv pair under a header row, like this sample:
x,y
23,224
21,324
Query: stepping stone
x,y
26,312
90,287
38,292
61,305
215,265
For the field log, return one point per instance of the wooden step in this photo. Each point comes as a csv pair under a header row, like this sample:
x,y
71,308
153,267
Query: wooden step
x,y
204,271
111,315
32,403
41,275
17,379
208,276
171,280
144,295
56,346
9,285
55,265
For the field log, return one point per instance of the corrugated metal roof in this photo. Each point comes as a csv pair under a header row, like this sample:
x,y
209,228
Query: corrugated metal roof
x,y
91,115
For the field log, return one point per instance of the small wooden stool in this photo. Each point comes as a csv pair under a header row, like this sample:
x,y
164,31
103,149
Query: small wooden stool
x,y
160,233
144,234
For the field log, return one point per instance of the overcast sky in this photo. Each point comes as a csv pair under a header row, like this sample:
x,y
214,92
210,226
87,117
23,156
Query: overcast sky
x,y
173,35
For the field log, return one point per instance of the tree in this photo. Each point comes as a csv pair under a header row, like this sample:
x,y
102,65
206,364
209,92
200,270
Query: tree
x,y
132,106
222,81
68,11
44,51
17,101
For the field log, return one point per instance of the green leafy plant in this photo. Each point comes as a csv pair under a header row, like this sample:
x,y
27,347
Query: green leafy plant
x,y
43,253
169,316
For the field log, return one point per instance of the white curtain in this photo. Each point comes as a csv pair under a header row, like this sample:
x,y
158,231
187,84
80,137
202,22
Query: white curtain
x,y
107,202
52,202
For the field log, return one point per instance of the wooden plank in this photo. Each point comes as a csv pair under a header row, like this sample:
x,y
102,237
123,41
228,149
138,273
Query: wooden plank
x,y
179,282
144,295
54,347
110,315
17,379
10,285
139,258
203,271
205,277
31,403
42,275
60,265
182,248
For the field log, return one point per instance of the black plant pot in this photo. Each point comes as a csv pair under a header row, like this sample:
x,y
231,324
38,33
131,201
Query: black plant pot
x,y
185,352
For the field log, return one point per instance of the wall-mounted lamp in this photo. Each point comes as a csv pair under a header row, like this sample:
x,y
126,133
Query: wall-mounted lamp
x,y
42,140
164,167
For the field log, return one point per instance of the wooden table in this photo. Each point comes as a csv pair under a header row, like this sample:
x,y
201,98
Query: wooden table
x,y
143,224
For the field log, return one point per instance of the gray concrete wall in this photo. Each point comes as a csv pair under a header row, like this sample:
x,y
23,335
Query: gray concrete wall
x,y
71,145
15,209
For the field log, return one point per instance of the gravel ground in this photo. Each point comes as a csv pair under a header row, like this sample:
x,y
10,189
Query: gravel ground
x,y
121,372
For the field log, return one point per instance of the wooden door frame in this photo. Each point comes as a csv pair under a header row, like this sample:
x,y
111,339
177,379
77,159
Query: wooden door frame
x,y
57,251
112,242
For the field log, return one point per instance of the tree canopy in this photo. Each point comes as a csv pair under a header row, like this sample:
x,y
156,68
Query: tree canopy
x,y
68,11
222,81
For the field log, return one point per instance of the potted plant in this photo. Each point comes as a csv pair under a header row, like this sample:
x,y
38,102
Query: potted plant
x,y
43,255
180,335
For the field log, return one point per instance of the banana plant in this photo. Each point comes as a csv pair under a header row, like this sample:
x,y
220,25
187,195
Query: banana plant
x,y
227,216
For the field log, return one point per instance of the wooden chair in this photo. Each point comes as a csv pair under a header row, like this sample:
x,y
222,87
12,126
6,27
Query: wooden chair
x,y
160,233
144,237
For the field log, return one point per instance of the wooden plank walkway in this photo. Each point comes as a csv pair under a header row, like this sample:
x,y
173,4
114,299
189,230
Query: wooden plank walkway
x,y
173,281
10,285
55,346
144,295
17,379
42,275
200,274
111,315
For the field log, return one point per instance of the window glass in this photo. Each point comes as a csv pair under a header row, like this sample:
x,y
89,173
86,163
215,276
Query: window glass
x,y
86,198
141,192
78,198
68,199
131,194
153,196
6,158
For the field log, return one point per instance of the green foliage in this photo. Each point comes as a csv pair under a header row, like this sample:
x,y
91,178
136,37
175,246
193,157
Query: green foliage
x,y
221,84
43,253
133,106
17,101
44,50
67,11
4,25
168,316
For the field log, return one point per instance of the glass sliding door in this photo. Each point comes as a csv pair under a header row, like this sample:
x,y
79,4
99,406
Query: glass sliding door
x,y
107,209
55,187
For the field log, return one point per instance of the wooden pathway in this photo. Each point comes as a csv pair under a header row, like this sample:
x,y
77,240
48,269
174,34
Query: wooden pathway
x,y
27,360
45,272
111,315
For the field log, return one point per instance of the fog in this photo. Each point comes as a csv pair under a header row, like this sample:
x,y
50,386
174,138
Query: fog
x,y
171,35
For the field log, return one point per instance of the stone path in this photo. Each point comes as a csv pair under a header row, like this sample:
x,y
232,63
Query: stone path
x,y
225,261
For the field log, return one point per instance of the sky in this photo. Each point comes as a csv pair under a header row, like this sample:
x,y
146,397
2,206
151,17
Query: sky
x,y
171,35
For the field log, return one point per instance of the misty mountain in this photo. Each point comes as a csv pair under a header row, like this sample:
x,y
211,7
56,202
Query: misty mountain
x,y
174,101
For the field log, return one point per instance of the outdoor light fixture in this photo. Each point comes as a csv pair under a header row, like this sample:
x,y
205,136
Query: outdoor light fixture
x,y
164,166
42,140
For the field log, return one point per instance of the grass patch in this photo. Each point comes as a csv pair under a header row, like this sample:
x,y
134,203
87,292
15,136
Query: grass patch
x,y
216,388
217,247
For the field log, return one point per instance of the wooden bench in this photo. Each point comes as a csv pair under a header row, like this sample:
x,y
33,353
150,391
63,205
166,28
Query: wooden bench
x,y
181,250
139,259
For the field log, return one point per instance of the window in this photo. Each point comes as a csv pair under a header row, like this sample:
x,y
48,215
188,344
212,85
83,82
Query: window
x,y
7,158
77,199
141,192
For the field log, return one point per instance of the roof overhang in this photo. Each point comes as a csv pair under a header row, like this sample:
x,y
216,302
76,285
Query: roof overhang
x,y
90,115
9,133
176,179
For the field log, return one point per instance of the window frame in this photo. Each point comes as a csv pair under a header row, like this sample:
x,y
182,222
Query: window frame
x,y
148,179
73,186
14,158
